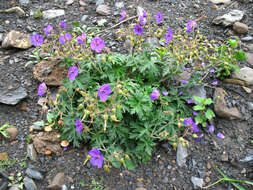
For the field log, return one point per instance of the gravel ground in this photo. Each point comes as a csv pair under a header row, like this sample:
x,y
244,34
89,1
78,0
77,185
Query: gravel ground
x,y
161,172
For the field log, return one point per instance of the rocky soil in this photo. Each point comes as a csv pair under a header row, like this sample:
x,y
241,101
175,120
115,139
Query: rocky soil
x,y
181,169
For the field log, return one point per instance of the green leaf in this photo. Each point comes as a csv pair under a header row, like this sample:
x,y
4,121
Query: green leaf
x,y
199,119
209,114
129,164
198,99
39,123
208,101
233,43
198,107
50,117
240,55
116,164
76,24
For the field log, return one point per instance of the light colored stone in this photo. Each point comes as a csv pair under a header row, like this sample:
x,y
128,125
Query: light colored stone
x,y
12,96
229,18
220,1
250,48
53,13
250,59
247,38
17,39
14,187
69,2
119,5
82,3
57,182
45,141
220,106
102,22
103,10
24,2
245,74
32,173
29,184
17,10
197,182
50,71
140,188
181,155
12,133
240,28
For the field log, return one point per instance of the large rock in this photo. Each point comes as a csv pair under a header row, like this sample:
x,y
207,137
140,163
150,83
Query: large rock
x,y
220,106
197,182
53,13
250,58
245,74
32,173
50,71
229,18
103,10
240,28
32,153
12,96
47,141
29,184
16,39
57,182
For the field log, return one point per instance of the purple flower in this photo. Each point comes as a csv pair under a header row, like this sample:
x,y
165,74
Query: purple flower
x,y
65,37
165,93
215,83
203,64
212,70
190,122
63,24
80,39
42,89
154,95
220,136
189,101
79,126
103,92
159,18
96,157
97,44
37,40
142,20
184,82
211,129
199,137
169,36
138,29
194,113
48,30
73,72
180,93
123,15
145,14
191,25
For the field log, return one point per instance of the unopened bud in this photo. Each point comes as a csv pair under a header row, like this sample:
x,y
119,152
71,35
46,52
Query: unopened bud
x,y
119,107
127,157
195,135
87,112
114,110
105,117
80,106
181,139
106,168
122,160
113,117
83,93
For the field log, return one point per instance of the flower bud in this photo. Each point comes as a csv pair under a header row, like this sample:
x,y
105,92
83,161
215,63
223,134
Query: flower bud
x,y
80,106
105,116
106,168
195,135
57,96
181,139
125,91
55,103
120,92
122,160
127,157
174,145
87,112
113,117
119,107
114,110
83,93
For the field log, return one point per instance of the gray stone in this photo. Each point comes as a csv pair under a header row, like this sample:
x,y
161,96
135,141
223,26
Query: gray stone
x,y
32,153
229,18
1,37
13,96
69,2
247,38
250,48
102,22
57,182
24,2
99,2
250,106
83,19
103,10
119,5
32,173
3,185
64,187
197,182
29,184
181,155
14,187
36,128
197,90
4,174
53,13
245,74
